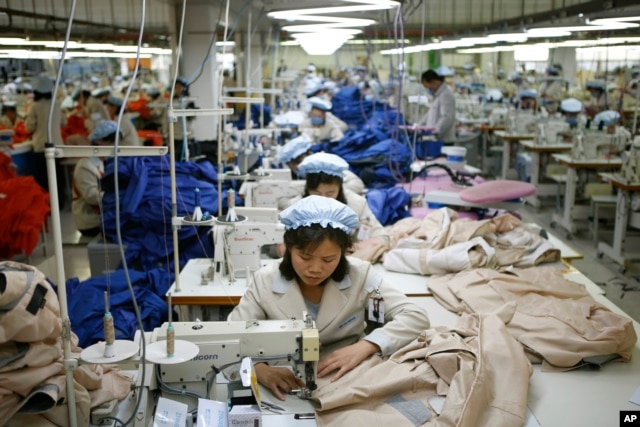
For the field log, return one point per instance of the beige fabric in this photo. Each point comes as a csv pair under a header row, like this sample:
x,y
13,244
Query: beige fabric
x,y
32,377
441,243
341,317
478,367
555,319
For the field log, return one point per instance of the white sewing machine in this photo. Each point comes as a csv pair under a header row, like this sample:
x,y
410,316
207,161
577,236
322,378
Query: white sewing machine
x,y
521,122
548,131
593,145
237,246
267,192
470,107
630,170
498,117
223,345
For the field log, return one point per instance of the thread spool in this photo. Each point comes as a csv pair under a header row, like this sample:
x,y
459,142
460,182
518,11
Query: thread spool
x,y
171,341
109,330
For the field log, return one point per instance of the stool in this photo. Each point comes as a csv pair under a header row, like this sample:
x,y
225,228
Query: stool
x,y
597,202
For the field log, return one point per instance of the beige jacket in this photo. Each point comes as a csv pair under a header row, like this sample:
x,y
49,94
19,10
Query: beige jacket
x,y
332,130
342,314
477,369
556,320
129,132
85,203
96,112
36,123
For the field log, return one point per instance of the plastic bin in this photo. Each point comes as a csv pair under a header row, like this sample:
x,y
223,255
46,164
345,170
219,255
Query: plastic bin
x,y
104,257
23,157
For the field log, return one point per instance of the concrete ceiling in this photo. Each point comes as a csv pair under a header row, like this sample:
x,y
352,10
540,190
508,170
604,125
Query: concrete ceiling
x,y
118,20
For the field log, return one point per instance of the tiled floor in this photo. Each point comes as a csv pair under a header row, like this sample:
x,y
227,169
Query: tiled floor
x,y
622,289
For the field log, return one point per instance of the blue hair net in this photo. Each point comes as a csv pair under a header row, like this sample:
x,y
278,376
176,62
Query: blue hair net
x,y
320,210
571,105
323,162
295,148
103,129
608,117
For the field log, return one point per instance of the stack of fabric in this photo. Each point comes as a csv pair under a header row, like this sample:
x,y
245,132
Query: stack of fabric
x,y
24,207
145,209
351,107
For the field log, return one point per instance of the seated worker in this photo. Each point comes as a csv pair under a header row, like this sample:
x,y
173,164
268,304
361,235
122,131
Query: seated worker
x,y
551,91
289,122
128,131
11,120
87,195
321,125
598,100
92,109
324,176
442,112
528,99
296,150
316,276
570,109
607,121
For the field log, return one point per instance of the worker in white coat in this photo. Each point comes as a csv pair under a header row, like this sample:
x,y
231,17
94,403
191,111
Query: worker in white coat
x,y
87,194
321,125
551,91
442,111
316,276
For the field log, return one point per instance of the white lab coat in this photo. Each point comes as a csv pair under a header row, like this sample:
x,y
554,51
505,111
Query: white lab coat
x,y
442,114
332,130
341,316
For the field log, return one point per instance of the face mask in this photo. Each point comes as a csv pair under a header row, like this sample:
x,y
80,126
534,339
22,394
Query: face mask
x,y
317,121
573,121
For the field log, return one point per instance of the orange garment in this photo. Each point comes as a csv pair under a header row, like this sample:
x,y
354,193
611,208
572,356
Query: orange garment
x,y
21,133
24,207
75,126
140,107
6,170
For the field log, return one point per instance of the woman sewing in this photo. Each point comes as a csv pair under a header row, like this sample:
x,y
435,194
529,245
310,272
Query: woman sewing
x,y
315,276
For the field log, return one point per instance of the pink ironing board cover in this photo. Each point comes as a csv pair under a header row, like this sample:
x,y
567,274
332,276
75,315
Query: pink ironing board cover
x,y
497,191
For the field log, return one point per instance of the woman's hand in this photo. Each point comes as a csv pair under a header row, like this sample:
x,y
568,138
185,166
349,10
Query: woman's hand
x,y
277,379
346,358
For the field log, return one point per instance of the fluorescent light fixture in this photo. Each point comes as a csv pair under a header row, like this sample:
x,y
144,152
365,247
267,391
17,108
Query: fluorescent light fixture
x,y
337,23
362,5
321,44
508,37
488,49
542,33
478,40
226,44
619,19
379,41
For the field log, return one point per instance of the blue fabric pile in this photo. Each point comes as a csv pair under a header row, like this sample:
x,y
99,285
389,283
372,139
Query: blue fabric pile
x,y
350,107
145,209
255,116
378,153
389,205
86,303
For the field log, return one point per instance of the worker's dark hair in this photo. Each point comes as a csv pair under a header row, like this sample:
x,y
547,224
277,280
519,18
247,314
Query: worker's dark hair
x,y
315,179
430,75
308,238
37,96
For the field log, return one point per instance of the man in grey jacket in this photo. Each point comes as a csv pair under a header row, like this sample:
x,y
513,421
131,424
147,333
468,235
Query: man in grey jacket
x,y
442,111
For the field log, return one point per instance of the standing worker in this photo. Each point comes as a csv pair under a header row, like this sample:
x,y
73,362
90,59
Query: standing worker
x,y
442,111
36,123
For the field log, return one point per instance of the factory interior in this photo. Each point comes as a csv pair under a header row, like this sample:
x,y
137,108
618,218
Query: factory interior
x,y
467,174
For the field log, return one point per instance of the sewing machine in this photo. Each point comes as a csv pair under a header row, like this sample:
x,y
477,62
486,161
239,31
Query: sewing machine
x,y
267,192
630,171
237,246
498,117
222,346
470,107
548,132
593,145
521,123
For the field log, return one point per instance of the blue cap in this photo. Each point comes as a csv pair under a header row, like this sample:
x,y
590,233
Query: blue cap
x,y
182,81
295,148
319,103
152,91
553,71
116,102
493,95
607,118
324,211
528,93
444,71
103,129
312,87
323,162
596,84
571,105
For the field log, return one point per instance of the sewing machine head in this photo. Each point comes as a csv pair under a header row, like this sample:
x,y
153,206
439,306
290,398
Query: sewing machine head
x,y
267,193
548,131
223,345
237,245
521,122
594,145
498,117
630,170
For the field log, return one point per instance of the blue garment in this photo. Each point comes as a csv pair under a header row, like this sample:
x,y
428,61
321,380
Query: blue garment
x,y
255,116
389,205
145,208
86,303
351,107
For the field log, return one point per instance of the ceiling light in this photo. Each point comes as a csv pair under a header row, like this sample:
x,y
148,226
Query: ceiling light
x,y
508,37
226,44
619,19
363,5
540,33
